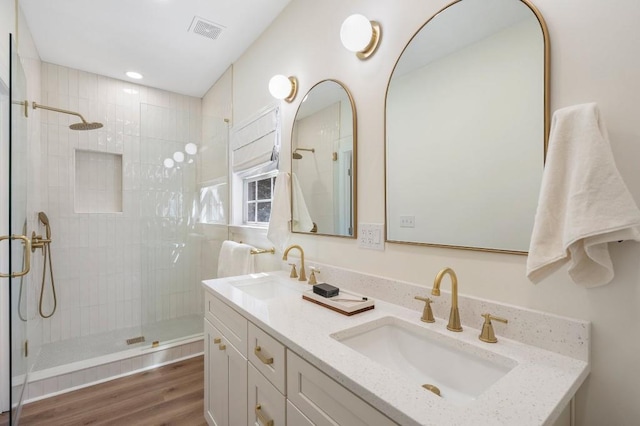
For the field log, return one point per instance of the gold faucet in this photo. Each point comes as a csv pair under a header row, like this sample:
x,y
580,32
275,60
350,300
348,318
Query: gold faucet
x,y
302,274
454,316
487,334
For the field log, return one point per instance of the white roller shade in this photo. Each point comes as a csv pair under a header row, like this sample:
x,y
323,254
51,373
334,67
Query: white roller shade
x,y
256,144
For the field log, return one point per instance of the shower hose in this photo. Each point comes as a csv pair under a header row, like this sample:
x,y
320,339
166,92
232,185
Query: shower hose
x,y
46,249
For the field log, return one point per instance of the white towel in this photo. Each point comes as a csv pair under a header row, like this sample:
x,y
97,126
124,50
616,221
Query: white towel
x,y
583,204
282,213
235,259
279,232
300,213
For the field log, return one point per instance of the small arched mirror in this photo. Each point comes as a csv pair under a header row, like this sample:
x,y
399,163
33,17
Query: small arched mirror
x,y
323,146
466,127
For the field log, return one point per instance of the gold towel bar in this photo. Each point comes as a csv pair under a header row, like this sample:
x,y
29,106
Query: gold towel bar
x,y
272,250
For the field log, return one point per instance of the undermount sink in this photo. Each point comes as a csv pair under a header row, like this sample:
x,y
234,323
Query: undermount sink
x,y
264,286
427,358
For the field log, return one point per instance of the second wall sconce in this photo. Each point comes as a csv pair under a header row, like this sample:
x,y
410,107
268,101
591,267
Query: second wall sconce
x,y
360,35
283,87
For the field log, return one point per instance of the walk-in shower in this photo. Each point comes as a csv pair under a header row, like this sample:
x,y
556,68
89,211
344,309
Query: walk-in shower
x,y
122,290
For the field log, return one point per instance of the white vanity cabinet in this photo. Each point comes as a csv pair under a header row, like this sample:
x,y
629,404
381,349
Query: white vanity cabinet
x,y
225,387
251,378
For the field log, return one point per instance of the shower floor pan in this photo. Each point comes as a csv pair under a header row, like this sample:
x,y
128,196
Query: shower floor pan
x,y
85,348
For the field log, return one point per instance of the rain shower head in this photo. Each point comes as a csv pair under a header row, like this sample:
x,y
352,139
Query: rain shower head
x,y
297,156
85,125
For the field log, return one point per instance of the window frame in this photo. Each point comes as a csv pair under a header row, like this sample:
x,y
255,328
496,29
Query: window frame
x,y
245,197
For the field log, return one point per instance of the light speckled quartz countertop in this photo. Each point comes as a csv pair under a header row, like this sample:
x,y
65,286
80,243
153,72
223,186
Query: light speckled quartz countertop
x,y
534,392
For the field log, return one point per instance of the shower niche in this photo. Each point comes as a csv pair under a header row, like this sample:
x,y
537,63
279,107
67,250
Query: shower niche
x,y
98,182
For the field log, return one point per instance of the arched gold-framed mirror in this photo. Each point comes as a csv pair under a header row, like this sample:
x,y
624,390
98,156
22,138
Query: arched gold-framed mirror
x,y
323,162
466,128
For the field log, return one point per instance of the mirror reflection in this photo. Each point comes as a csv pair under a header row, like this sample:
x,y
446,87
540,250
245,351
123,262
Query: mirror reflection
x,y
466,116
323,146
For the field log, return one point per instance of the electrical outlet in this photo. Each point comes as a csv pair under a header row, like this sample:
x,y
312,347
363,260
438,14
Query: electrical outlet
x,y
370,236
407,221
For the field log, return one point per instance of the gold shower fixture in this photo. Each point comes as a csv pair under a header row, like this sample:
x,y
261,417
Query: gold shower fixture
x,y
297,156
85,125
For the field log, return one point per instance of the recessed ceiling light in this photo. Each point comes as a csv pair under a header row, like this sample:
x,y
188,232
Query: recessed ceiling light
x,y
133,74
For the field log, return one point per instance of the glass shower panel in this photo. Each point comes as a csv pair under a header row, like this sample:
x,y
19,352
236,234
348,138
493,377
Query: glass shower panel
x,y
20,359
171,248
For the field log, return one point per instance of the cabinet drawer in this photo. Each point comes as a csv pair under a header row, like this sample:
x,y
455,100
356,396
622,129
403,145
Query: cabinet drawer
x,y
295,417
324,401
264,402
268,356
232,325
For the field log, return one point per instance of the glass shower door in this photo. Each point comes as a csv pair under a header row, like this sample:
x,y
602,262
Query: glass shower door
x,y
170,252
19,244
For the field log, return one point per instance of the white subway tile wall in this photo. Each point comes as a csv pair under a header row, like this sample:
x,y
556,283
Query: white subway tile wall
x,y
137,263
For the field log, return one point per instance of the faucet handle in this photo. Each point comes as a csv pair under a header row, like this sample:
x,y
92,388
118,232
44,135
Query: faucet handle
x,y
487,334
312,277
427,313
294,273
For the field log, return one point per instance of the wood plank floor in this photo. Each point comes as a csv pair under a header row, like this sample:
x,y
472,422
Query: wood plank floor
x,y
169,395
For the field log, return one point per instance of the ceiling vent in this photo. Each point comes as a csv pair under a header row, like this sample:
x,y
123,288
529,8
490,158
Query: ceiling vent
x,y
205,28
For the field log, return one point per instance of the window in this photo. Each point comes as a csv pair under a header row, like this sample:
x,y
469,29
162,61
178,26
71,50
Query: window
x,y
258,195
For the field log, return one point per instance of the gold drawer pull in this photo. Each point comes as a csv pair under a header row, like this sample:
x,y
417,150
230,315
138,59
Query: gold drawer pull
x,y
261,417
217,340
261,357
222,347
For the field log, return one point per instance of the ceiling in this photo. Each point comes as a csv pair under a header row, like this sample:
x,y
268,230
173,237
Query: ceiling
x,y
152,37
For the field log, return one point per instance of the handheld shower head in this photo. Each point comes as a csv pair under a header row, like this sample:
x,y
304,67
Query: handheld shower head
x,y
45,221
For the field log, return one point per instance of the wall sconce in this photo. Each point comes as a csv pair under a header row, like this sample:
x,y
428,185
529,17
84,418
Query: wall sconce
x,y
360,35
282,87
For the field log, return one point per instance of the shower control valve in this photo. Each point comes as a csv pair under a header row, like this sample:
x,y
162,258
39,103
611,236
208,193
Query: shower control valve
x,y
37,242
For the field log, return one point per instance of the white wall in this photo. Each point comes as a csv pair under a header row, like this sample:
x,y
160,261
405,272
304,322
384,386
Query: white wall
x,y
213,164
8,24
594,57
